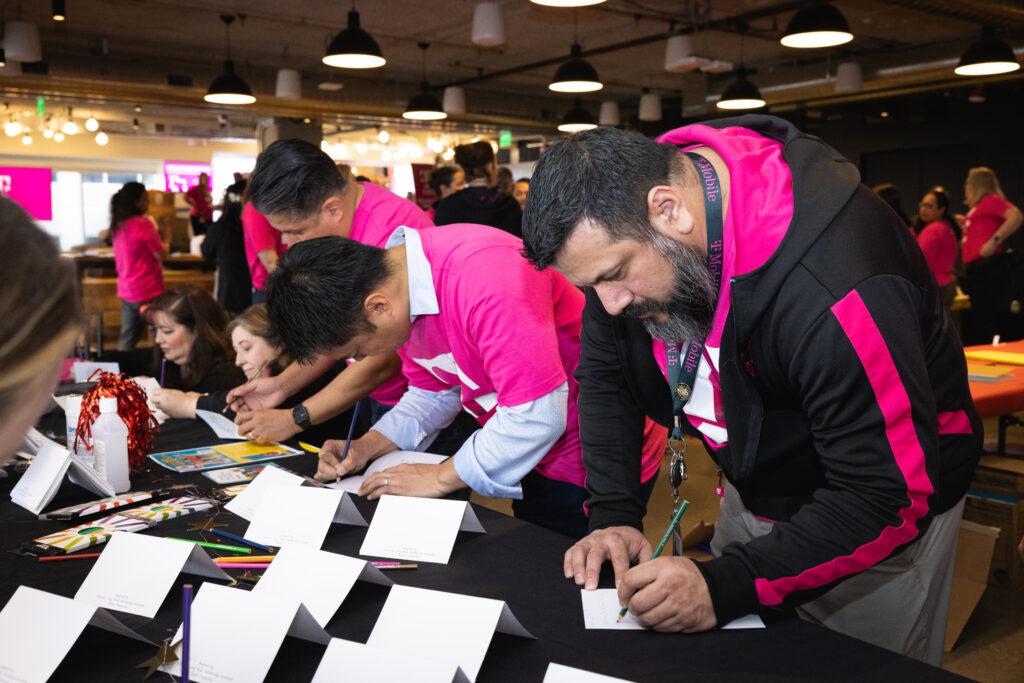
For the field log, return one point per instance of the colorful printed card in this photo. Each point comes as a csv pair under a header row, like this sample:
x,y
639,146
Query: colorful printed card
x,y
234,475
232,491
224,455
102,505
163,510
92,533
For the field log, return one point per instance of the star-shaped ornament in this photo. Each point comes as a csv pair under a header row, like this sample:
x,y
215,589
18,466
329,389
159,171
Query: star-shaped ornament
x,y
208,525
165,655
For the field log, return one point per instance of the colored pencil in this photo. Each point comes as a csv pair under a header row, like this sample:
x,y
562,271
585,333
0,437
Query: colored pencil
x,y
309,447
186,628
398,566
163,372
661,545
348,439
253,558
241,565
247,380
61,558
238,539
215,546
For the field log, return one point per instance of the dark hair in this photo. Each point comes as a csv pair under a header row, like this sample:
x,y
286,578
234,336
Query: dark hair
x,y
522,180
363,179
200,313
475,159
505,182
294,177
124,204
317,292
890,194
942,203
603,175
441,177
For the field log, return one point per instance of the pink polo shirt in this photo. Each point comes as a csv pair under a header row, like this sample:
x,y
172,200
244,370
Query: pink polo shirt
x,y
259,235
938,243
981,223
379,213
140,274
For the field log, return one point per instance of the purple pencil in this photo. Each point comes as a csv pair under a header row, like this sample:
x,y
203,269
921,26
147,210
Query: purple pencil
x,y
186,626
163,372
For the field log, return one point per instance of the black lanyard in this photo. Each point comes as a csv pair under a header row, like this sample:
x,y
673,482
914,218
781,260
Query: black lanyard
x,y
682,367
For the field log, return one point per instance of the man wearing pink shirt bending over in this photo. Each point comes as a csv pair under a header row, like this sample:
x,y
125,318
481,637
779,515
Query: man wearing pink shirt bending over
x,y
478,330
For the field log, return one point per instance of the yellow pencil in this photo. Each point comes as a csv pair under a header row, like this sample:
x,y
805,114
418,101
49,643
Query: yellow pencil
x,y
307,447
254,558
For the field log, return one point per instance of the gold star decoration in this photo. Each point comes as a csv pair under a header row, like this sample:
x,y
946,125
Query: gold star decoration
x,y
165,655
207,525
249,577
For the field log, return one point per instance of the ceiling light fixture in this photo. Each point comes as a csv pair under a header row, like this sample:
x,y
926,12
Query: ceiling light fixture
x,y
741,94
229,87
577,119
102,139
817,25
288,85
91,124
567,3
576,74
58,136
849,78
58,10
488,25
3,58
424,106
21,42
609,115
987,56
454,100
679,57
650,106
354,48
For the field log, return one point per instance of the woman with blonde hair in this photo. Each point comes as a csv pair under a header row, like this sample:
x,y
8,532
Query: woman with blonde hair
x,y
989,223
38,324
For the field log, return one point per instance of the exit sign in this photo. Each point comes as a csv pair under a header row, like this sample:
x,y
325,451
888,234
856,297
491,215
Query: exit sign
x,y
505,138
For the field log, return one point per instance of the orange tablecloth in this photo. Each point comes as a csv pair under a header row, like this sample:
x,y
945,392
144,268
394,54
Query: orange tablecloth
x,y
992,399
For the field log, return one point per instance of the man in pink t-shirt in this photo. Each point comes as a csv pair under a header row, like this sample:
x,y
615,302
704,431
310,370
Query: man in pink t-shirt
x,y
263,247
303,195
200,205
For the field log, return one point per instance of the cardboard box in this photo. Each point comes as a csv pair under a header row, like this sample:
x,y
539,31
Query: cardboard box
x,y
1006,514
974,548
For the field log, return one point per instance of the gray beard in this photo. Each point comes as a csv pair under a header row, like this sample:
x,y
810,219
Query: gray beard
x,y
691,302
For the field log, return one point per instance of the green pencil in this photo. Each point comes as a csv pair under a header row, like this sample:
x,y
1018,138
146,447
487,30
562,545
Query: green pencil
x,y
661,545
215,546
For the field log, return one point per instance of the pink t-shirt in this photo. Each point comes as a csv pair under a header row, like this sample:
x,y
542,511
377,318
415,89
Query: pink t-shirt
x,y
981,223
938,243
757,217
201,205
379,213
140,275
259,235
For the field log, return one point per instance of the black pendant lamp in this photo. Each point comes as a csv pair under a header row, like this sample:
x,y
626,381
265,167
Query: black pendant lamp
x,y
424,106
576,74
577,119
741,94
229,87
354,48
987,56
817,25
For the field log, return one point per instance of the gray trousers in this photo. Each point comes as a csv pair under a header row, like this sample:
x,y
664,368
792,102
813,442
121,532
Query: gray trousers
x,y
132,325
899,604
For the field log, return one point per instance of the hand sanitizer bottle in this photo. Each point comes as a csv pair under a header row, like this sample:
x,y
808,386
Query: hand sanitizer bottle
x,y
110,446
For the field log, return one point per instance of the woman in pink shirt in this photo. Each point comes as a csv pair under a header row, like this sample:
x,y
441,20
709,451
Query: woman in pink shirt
x,y
138,258
939,240
990,222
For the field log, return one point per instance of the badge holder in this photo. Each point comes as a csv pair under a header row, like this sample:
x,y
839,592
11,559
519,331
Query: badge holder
x,y
676,477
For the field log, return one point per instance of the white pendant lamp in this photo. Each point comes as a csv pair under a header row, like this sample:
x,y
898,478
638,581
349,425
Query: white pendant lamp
x,y
289,84
609,115
849,78
567,3
91,124
454,101
102,138
21,42
679,57
488,25
650,106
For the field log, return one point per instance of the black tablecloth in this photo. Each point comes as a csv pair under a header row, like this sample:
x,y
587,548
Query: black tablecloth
x,y
515,562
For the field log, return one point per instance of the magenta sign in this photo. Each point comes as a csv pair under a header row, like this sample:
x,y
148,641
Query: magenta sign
x,y
29,187
182,175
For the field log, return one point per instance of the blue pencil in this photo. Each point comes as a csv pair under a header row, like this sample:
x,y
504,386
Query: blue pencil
x,y
163,372
351,430
186,627
238,539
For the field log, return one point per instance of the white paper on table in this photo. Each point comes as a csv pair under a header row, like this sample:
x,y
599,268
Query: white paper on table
x,y
39,628
418,529
601,609
149,385
82,369
294,515
345,660
318,579
221,425
83,474
236,634
393,459
443,626
559,673
135,572
41,480
246,503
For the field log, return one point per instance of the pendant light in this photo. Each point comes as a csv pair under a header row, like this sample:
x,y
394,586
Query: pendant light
x,y
229,87
91,124
679,57
741,93
3,58
609,115
650,106
576,119
424,106
817,25
987,56
21,41
488,25
58,13
454,100
849,78
567,3
576,74
288,85
354,48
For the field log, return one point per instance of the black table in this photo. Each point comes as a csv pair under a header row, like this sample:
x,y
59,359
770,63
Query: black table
x,y
516,562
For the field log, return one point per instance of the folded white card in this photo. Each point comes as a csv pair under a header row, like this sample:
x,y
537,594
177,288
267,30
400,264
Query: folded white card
x,y
149,385
443,626
82,370
345,660
221,426
43,478
236,634
559,673
135,572
300,515
318,579
418,529
393,459
247,502
601,610
39,628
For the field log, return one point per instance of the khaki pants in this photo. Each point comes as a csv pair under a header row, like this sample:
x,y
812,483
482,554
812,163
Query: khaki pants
x,y
900,604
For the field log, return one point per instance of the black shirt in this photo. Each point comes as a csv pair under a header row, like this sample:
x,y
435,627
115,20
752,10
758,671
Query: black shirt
x,y
483,206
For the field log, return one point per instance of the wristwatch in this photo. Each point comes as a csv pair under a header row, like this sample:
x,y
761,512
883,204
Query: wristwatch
x,y
301,416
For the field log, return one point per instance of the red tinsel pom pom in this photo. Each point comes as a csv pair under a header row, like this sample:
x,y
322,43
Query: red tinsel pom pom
x,y
132,408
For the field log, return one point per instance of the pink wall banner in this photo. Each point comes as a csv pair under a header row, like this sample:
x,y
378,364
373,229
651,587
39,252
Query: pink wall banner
x,y
182,175
29,187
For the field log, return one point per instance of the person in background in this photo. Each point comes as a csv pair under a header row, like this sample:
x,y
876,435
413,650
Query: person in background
x,y
200,203
190,336
505,181
989,223
480,201
263,247
890,194
522,189
445,181
224,248
38,324
939,240
138,259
